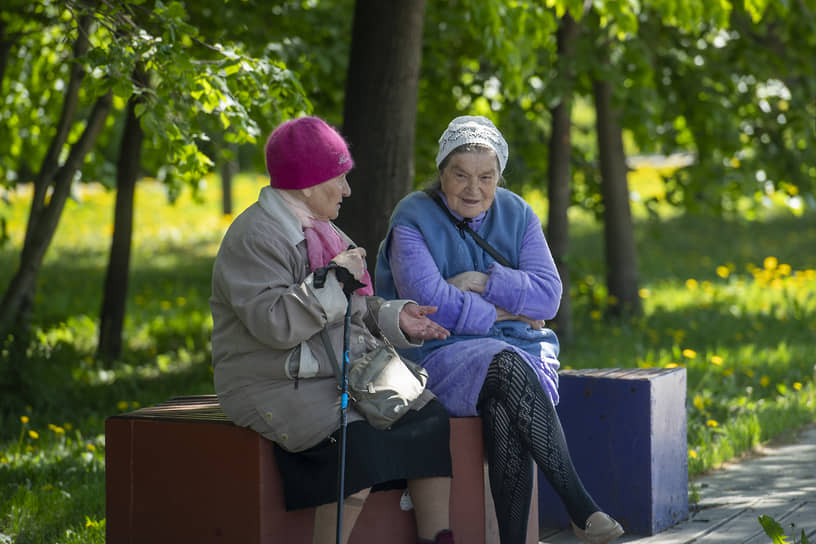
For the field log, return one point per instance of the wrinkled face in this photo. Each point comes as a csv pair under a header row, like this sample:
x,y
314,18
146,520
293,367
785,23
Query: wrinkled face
x,y
469,182
324,199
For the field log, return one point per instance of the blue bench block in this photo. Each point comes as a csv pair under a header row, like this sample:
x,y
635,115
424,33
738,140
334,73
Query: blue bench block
x,y
626,431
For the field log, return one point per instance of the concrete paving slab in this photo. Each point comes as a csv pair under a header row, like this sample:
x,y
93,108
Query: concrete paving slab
x,y
780,482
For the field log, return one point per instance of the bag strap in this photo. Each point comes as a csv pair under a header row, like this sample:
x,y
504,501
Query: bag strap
x,y
324,335
464,227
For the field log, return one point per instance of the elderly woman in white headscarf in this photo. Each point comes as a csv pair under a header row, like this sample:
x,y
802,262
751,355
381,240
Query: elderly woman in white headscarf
x,y
477,252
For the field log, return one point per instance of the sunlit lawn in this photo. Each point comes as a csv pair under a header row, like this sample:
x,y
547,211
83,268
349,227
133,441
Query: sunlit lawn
x,y
734,301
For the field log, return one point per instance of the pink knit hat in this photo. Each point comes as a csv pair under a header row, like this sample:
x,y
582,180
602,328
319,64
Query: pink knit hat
x,y
304,152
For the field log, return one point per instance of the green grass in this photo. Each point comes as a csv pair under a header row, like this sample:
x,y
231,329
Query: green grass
x,y
734,301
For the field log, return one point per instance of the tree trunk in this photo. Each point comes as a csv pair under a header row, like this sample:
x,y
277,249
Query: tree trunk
x,y
379,117
19,295
559,177
228,169
619,238
50,163
114,296
6,42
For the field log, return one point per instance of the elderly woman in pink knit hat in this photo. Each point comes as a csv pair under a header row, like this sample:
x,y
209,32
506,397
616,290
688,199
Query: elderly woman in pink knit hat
x,y
272,372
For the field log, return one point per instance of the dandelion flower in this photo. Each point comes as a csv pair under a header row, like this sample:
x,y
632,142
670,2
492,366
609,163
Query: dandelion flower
x,y
689,353
56,429
33,434
716,360
24,419
712,423
691,284
672,365
764,381
723,272
698,402
644,293
797,386
770,263
122,405
595,315
91,447
692,454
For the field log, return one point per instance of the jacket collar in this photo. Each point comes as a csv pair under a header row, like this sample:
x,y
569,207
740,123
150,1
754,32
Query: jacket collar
x,y
270,200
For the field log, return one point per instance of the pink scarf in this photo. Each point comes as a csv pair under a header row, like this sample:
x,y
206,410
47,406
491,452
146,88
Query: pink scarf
x,y
323,242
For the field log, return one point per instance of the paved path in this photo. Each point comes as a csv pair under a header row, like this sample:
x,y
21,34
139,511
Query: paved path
x,y
780,483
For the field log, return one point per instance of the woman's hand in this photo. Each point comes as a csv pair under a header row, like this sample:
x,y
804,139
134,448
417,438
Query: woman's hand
x,y
413,323
470,281
352,260
504,315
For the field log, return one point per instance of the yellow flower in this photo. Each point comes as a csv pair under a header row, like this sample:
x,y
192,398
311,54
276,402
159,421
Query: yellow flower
x,y
764,381
91,447
67,426
797,386
644,293
692,454
595,315
689,353
770,263
3,461
24,419
784,269
56,429
712,423
716,360
122,405
691,284
727,372
33,434
165,305
672,365
698,402
723,272
135,404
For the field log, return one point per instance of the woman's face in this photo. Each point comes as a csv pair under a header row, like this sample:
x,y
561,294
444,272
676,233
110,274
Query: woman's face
x,y
324,199
469,182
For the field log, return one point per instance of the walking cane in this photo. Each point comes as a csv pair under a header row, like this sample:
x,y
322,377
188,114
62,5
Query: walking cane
x,y
344,397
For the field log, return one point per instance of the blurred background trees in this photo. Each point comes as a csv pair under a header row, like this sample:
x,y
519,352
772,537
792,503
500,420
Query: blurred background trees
x,y
111,91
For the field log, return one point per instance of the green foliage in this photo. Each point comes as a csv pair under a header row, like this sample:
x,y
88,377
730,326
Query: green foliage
x,y
194,88
775,531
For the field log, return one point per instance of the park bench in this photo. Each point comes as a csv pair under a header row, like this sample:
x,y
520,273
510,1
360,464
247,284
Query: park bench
x,y
181,472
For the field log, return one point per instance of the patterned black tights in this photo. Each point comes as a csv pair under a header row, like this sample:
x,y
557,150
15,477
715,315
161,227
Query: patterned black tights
x,y
520,425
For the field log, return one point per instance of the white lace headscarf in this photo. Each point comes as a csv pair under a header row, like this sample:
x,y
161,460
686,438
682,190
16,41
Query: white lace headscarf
x,y
472,129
